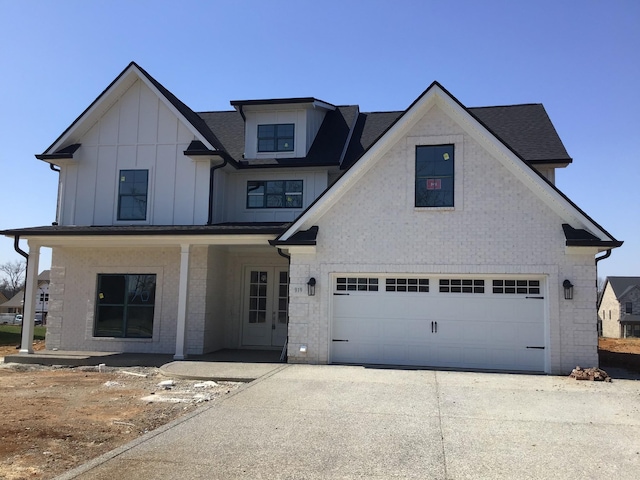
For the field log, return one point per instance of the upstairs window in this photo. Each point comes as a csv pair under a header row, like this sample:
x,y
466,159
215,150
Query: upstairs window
x,y
628,307
275,137
132,195
274,194
434,176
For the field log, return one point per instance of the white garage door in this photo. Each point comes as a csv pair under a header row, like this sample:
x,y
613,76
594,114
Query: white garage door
x,y
483,323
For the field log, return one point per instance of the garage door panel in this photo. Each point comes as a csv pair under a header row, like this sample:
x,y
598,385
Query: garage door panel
x,y
361,328
484,330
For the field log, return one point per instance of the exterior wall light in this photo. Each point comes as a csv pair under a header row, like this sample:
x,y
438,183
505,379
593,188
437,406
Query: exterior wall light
x,y
568,290
311,287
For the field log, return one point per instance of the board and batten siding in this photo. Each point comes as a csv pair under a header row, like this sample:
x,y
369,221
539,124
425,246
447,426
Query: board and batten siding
x,y
137,132
235,195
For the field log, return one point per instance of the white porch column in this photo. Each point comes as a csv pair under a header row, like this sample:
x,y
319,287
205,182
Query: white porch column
x,y
181,330
31,290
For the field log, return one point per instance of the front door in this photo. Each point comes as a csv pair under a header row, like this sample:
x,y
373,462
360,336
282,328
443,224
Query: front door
x,y
266,300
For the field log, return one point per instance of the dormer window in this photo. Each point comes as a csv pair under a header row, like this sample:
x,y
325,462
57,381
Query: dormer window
x,y
276,137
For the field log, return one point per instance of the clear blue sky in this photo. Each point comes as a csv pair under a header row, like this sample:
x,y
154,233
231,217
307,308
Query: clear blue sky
x,y
581,59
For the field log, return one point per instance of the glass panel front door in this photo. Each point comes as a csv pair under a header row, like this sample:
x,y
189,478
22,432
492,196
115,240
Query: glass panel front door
x,y
265,308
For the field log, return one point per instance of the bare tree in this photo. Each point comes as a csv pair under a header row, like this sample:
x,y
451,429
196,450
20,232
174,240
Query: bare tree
x,y
12,277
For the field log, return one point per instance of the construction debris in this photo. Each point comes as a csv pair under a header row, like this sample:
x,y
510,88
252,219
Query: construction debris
x,y
594,374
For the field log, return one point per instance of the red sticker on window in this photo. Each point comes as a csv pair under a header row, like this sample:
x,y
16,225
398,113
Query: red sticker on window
x,y
434,184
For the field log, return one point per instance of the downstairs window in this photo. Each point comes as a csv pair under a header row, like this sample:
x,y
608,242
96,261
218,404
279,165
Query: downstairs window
x,y
125,305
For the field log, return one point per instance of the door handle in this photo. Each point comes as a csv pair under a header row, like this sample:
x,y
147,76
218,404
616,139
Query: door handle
x,y
273,320
436,327
431,327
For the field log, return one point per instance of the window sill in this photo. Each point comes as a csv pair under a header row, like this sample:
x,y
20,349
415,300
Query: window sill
x,y
122,339
434,209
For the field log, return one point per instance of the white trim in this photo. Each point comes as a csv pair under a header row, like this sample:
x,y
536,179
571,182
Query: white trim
x,y
183,300
31,291
148,240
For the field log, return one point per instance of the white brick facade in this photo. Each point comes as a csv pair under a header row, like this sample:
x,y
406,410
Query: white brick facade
x,y
498,226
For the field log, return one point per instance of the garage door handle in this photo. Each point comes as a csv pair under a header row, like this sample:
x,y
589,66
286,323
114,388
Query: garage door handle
x,y
536,298
338,340
434,327
341,294
537,348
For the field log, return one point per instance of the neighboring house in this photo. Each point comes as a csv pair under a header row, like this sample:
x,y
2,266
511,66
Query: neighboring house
x,y
3,299
42,298
432,236
15,304
619,307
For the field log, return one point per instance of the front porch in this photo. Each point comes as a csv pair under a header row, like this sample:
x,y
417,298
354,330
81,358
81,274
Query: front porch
x,y
208,293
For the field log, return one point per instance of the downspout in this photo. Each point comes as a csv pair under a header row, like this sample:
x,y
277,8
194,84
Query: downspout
x,y
283,355
16,247
213,169
606,255
57,170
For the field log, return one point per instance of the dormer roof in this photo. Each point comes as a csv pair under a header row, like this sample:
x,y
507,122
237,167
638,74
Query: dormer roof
x,y
308,102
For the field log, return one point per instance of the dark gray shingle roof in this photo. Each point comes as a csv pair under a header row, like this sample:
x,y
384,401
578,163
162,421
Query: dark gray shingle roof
x,y
527,129
326,149
621,284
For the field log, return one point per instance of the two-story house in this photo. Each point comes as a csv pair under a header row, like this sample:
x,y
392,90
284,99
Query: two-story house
x,y
619,307
432,236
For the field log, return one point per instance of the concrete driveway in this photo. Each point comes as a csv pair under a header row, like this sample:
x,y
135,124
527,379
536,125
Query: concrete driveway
x,y
308,422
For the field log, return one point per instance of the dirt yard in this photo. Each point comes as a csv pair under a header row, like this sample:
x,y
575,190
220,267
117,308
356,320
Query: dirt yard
x,y
620,345
54,419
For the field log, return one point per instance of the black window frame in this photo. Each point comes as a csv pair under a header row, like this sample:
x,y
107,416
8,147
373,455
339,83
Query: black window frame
x,y
111,302
271,194
428,172
277,137
135,196
628,307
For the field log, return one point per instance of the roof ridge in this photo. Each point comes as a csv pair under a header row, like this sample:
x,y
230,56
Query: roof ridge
x,y
509,105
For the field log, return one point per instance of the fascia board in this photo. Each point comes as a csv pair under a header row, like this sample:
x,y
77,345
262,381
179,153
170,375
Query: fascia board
x,y
108,98
520,169
117,241
364,164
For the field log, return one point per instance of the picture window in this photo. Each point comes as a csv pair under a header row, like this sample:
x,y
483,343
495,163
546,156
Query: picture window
x,y
125,305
